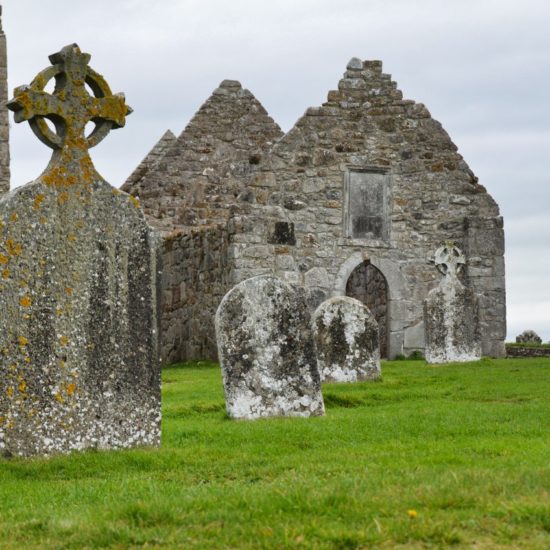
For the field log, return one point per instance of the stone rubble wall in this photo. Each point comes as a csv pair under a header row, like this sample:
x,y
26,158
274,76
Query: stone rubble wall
x,y
194,280
205,171
519,351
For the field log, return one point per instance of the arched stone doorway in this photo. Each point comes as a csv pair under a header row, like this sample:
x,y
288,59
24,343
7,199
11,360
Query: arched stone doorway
x,y
367,284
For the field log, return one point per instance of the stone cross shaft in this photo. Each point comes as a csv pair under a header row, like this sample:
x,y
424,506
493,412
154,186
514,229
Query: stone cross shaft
x,y
70,108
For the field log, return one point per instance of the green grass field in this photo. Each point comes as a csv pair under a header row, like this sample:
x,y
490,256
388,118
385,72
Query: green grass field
x,y
431,457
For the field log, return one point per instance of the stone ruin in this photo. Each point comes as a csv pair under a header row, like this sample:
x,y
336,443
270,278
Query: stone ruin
x,y
78,332
266,351
451,313
352,201
528,337
346,341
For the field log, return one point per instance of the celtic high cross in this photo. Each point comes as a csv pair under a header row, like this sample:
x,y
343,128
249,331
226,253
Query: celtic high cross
x,y
449,260
70,108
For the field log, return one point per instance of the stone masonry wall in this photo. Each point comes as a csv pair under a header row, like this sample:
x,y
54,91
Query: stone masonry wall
x,y
368,176
195,278
366,127
4,120
201,175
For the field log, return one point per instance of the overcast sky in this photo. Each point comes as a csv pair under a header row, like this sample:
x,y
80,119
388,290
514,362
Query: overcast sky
x,y
482,68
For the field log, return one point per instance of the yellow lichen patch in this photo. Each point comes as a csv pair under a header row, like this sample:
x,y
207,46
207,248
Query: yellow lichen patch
x,y
4,259
25,301
14,249
14,217
27,359
22,340
63,340
58,397
134,201
71,237
71,388
79,224
63,197
38,201
42,220
69,290
5,274
22,386
116,192
59,311
58,177
9,391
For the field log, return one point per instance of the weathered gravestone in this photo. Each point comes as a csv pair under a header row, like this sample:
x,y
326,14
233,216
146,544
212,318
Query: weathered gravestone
x,y
451,313
78,343
266,351
347,341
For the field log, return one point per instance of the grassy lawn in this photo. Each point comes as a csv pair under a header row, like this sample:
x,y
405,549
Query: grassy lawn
x,y
463,448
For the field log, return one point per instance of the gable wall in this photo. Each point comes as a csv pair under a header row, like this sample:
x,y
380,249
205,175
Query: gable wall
x,y
433,196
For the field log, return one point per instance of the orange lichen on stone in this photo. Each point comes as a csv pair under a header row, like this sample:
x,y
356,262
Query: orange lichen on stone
x,y
14,217
3,259
38,201
63,197
22,386
25,301
134,201
22,341
63,340
14,249
9,391
71,388
69,290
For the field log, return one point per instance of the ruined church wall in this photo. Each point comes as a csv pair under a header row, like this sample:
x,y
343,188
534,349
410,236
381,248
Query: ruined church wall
x,y
195,277
366,127
204,173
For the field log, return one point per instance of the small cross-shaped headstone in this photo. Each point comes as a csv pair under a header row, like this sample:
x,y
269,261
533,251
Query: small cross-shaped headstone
x,y
449,259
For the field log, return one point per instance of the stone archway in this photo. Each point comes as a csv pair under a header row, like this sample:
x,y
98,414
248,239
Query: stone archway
x,y
367,284
399,301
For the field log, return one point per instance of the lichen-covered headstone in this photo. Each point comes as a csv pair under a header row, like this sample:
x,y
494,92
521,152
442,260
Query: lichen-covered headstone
x,y
451,313
347,341
266,351
78,331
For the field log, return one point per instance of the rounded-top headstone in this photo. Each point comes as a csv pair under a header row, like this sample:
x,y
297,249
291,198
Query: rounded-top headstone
x,y
266,351
347,341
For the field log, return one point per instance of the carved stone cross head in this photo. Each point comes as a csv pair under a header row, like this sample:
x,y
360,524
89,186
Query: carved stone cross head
x,y
449,259
70,107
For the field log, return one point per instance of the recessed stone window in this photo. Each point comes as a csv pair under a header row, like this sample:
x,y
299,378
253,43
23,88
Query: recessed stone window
x,y
282,233
366,210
